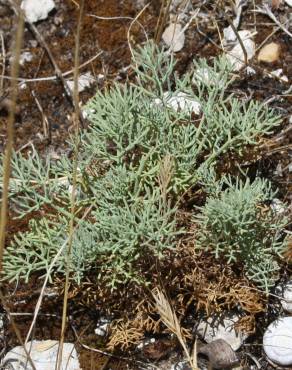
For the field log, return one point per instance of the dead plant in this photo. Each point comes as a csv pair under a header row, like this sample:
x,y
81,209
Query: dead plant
x,y
169,318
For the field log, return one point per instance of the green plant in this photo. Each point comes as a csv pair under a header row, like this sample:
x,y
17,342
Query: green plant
x,y
138,156
237,224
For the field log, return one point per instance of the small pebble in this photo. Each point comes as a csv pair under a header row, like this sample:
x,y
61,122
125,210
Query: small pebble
x,y
221,327
102,327
84,81
270,53
236,56
37,10
287,295
44,356
180,101
173,37
277,341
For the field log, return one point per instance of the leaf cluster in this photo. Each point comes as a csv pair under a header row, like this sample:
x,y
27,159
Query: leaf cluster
x,y
138,156
237,224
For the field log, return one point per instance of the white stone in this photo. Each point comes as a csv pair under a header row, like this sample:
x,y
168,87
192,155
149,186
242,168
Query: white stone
x,y
84,81
229,34
277,341
250,71
221,327
277,206
174,37
25,57
278,73
146,342
180,101
205,76
287,295
37,10
44,355
288,2
236,55
102,327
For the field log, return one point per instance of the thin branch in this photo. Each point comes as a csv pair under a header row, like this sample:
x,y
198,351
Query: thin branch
x,y
10,135
52,78
267,11
7,168
164,11
74,185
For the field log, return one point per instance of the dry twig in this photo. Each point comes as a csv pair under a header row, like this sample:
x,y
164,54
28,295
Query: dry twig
x,y
170,319
267,11
74,184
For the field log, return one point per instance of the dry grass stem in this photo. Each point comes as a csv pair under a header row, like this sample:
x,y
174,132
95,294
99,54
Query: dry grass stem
x,y
170,319
10,134
74,185
165,175
7,163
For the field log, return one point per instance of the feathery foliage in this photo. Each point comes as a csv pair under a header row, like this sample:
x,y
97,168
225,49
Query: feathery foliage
x,y
137,157
238,225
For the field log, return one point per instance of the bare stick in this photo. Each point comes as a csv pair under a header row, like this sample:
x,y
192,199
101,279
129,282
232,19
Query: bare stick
x,y
52,78
267,11
10,136
164,11
3,62
131,25
74,185
46,124
7,167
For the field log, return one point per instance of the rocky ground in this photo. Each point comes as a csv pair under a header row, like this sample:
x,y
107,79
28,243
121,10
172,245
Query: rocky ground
x,y
45,118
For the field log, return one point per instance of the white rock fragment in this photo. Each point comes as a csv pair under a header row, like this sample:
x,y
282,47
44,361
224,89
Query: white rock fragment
x,y
180,101
288,2
236,55
277,341
44,356
37,10
221,327
84,81
146,342
287,295
102,327
25,57
2,325
250,71
23,86
174,37
86,112
229,34
277,206
205,76
278,73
